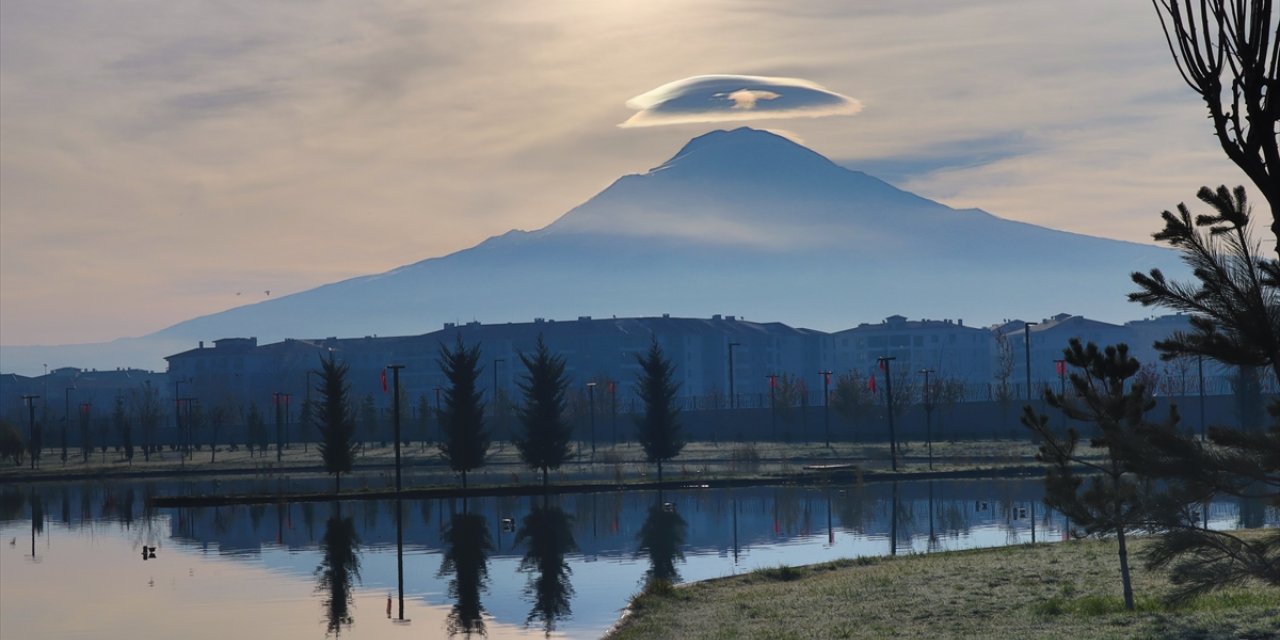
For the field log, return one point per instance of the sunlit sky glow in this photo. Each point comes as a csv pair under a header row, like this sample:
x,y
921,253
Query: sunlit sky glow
x,y
163,160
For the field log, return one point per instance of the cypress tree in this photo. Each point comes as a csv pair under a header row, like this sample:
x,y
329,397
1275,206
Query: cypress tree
x,y
544,443
333,419
658,429
463,438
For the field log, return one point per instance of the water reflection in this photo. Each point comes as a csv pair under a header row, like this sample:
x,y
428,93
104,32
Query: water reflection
x,y
466,557
547,534
662,539
564,566
339,568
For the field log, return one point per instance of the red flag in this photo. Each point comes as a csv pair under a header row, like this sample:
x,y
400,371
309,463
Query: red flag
x,y
384,380
1062,367
871,383
884,365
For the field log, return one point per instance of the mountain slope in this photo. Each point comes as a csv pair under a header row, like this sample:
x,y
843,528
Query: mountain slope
x,y
739,222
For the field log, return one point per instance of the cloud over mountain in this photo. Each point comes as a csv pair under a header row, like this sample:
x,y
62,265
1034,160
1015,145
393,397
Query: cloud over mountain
x,y
734,98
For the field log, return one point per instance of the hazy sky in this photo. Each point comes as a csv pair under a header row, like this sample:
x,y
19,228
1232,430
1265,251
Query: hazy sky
x,y
162,159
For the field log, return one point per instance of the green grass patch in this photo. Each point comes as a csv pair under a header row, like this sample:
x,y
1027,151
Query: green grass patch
x,y
781,573
1064,591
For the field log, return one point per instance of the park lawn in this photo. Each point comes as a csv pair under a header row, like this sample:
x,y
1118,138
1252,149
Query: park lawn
x,y
1068,590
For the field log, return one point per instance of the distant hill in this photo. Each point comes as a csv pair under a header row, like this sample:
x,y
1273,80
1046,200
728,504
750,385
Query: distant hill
x,y
738,222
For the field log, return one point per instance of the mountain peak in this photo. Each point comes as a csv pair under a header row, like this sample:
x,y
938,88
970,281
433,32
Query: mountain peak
x,y
745,150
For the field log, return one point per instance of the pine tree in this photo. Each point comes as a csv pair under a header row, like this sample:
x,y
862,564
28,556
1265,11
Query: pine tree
x,y
1235,318
463,438
333,419
658,429
1115,500
1235,305
544,444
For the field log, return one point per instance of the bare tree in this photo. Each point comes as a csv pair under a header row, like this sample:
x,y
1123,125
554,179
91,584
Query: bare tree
x,y
1228,52
145,401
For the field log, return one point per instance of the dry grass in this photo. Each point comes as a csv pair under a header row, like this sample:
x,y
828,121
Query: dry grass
x,y
1065,590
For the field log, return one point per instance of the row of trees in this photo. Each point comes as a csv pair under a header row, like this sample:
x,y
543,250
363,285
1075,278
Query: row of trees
x,y
139,409
545,433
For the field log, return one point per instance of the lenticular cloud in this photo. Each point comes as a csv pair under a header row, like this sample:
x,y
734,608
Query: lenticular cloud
x,y
722,98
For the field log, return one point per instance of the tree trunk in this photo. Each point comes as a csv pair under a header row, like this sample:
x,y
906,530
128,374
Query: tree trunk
x,y
337,483
1124,570
546,480
659,472
464,479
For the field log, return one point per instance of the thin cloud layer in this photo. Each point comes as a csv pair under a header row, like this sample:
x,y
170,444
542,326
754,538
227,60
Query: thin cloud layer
x,y
729,98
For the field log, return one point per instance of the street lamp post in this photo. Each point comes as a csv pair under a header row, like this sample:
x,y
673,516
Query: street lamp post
x,y
1026,344
66,419
591,410
495,384
437,390
177,416
310,412
31,422
84,430
733,400
888,388
928,416
613,410
275,400
826,406
496,418
395,417
773,406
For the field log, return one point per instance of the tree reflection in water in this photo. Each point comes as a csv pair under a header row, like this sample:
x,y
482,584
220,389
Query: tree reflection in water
x,y
466,556
661,537
339,566
548,535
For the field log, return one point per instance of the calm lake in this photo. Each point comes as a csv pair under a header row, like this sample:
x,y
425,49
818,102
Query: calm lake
x,y
89,561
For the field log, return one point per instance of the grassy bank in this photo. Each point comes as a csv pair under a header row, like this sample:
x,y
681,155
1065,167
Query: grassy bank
x,y
1065,590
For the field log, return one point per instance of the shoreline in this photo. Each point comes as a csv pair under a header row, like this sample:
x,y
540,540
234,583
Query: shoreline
x,y
1058,590
850,476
